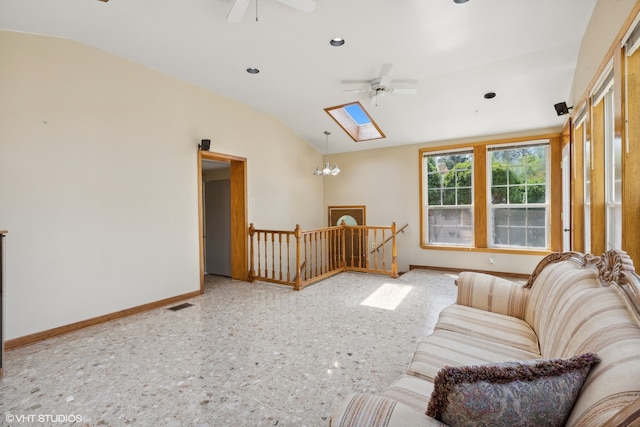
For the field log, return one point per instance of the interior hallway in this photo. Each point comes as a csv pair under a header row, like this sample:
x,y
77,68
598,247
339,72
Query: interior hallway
x,y
242,355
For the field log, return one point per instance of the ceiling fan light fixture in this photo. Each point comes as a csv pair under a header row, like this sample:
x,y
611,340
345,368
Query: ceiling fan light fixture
x,y
337,41
253,70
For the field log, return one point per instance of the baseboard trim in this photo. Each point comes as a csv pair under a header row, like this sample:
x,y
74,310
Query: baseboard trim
x,y
460,270
61,330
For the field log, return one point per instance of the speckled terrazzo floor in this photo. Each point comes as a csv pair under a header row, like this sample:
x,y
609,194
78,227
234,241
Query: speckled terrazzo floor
x,y
242,355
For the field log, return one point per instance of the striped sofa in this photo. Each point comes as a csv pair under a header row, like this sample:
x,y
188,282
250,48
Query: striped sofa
x,y
571,305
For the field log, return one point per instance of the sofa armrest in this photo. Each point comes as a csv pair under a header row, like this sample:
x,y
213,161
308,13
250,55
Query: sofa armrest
x,y
369,410
491,293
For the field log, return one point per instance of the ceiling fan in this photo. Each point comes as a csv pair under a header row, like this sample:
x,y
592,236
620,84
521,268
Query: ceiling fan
x,y
380,86
240,7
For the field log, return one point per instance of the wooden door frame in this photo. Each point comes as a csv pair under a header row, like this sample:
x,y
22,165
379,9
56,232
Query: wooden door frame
x,y
239,219
362,208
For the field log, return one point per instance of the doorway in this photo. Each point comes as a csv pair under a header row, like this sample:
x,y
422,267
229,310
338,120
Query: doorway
x,y
566,198
235,169
216,205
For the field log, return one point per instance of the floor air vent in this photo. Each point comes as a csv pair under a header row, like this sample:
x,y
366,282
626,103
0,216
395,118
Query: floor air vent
x,y
179,306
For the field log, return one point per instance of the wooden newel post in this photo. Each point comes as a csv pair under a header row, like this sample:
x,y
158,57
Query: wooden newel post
x,y
343,243
297,286
394,252
252,272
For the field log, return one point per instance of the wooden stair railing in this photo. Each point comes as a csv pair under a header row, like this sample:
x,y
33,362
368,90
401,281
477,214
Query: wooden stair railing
x,y
299,258
401,230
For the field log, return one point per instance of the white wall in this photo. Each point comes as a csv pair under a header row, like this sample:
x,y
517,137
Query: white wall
x,y
606,21
98,179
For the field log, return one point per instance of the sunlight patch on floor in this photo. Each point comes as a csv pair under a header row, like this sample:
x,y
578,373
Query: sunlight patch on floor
x,y
387,296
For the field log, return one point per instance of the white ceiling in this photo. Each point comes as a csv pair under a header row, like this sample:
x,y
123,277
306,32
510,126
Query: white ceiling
x,y
525,51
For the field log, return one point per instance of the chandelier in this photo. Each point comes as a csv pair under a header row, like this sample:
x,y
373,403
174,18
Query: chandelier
x,y
327,169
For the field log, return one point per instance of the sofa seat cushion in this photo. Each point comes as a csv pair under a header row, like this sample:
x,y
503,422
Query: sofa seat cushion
x,y
498,328
410,390
446,348
522,393
368,410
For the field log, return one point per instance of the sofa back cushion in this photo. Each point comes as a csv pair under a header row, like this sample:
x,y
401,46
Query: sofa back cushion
x,y
491,293
572,313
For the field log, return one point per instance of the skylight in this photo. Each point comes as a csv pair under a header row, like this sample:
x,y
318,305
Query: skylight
x,y
355,121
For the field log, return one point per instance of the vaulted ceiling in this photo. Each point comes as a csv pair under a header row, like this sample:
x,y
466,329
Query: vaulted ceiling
x,y
452,54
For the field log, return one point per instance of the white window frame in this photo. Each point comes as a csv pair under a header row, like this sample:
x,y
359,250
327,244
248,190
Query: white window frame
x,y
491,208
425,198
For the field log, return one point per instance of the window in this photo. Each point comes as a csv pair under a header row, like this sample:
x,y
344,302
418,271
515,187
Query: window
x,y
606,167
582,232
613,177
448,198
587,195
518,202
355,121
491,196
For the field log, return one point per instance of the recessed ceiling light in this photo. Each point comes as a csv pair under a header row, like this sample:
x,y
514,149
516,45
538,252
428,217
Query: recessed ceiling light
x,y
337,41
460,1
252,70
489,95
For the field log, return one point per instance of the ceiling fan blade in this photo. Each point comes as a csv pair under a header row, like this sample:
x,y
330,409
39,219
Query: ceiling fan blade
x,y
357,90
385,70
355,82
302,5
404,91
410,82
238,10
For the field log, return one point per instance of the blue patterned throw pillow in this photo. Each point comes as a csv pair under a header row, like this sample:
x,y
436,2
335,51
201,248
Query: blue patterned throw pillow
x,y
523,393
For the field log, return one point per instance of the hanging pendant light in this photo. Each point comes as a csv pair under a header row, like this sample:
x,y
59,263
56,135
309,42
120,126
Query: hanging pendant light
x,y
327,169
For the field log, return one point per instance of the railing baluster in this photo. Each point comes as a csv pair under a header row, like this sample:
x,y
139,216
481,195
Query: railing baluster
x,y
259,256
384,254
359,240
252,272
394,251
280,254
325,250
288,259
298,280
273,255
306,258
375,243
315,251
